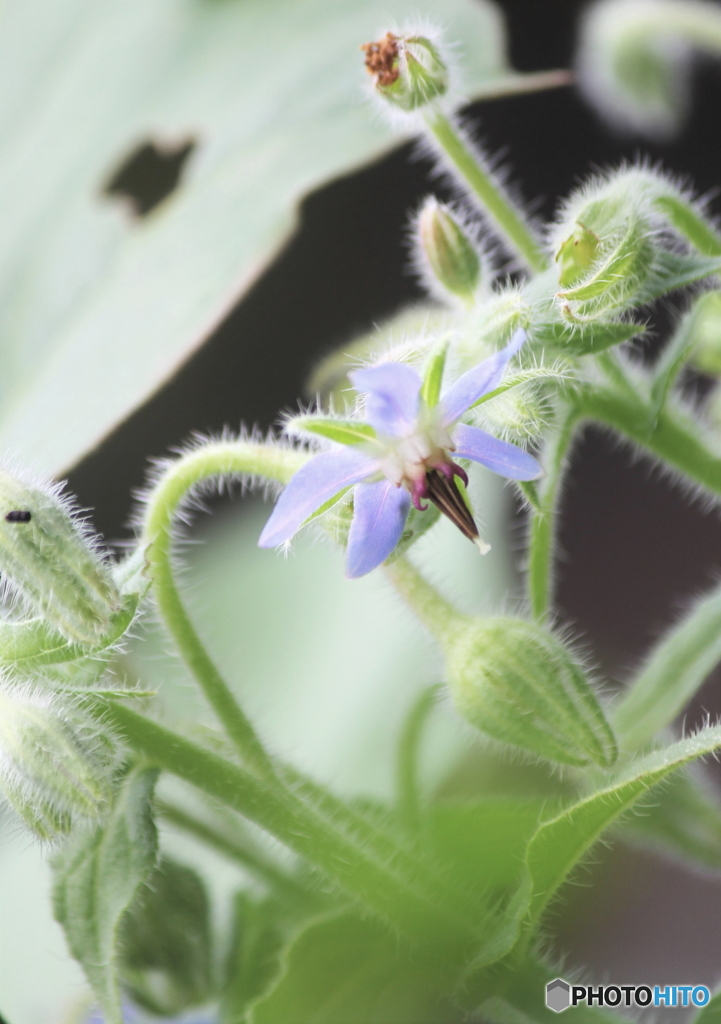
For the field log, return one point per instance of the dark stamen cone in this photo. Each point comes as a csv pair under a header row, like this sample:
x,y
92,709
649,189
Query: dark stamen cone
x,y
445,495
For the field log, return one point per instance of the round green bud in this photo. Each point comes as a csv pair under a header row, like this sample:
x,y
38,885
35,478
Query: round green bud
x,y
55,762
518,683
447,252
50,561
623,263
408,70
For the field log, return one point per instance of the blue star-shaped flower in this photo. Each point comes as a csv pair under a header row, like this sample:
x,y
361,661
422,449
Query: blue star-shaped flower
x,y
400,454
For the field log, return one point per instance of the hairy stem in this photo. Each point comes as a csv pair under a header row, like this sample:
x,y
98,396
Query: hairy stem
x,y
380,887
409,801
673,672
500,210
542,534
667,436
215,459
437,614
230,847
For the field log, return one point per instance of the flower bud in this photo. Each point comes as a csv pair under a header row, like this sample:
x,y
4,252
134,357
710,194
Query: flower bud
x,y
519,684
634,60
408,70
706,346
609,245
447,252
55,762
50,562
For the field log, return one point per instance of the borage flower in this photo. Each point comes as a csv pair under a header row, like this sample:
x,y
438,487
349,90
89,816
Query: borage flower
x,y
400,454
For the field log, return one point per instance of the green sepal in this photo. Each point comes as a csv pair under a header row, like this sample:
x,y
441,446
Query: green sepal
x,y
34,643
529,376
677,270
341,431
585,339
433,375
326,506
687,222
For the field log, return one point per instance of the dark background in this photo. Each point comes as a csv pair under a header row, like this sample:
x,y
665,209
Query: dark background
x,y
635,549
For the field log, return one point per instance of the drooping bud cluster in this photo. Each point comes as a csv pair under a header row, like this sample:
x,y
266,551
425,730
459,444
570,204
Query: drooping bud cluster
x,y
634,59
408,70
518,683
55,761
51,564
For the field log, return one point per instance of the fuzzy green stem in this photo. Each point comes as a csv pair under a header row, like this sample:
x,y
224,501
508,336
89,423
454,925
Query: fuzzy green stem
x,y
672,674
295,824
222,458
231,848
542,534
409,801
666,436
497,206
437,614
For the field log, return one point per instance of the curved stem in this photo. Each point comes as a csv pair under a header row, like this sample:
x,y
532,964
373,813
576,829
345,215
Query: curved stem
x,y
665,435
220,458
673,672
413,908
494,204
409,803
437,614
542,533
232,848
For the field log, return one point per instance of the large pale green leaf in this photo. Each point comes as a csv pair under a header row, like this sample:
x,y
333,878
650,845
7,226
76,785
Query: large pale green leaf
x,y
96,878
683,820
355,971
98,308
560,842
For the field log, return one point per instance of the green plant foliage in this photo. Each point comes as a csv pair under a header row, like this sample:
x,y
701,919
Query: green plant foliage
x,y
166,956
97,876
349,969
682,819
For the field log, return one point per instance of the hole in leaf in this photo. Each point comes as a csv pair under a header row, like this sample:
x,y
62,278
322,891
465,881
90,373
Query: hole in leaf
x,y
150,174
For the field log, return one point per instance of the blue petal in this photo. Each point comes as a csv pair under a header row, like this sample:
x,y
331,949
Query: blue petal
x,y
380,511
478,381
392,403
314,484
503,458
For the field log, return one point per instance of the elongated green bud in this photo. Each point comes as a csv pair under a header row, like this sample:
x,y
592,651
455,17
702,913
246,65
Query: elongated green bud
x,y
51,563
55,762
518,683
408,70
447,253
706,345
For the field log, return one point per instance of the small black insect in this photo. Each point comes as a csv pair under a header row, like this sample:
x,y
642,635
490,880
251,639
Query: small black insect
x,y
18,516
